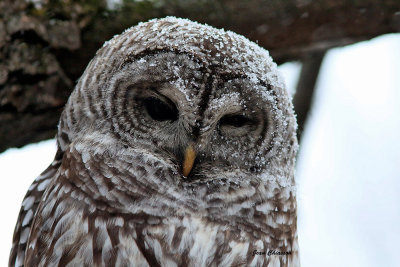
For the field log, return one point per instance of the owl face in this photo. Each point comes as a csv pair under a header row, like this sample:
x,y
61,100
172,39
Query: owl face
x,y
166,102
208,104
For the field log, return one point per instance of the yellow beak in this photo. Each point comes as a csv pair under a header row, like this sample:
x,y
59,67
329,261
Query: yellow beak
x,y
190,156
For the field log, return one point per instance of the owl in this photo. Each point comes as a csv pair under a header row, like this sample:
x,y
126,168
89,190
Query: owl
x,y
176,148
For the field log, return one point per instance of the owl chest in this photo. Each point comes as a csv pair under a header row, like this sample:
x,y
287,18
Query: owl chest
x,y
74,235
118,241
188,241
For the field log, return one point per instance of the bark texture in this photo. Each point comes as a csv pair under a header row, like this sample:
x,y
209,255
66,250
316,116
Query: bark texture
x,y
45,45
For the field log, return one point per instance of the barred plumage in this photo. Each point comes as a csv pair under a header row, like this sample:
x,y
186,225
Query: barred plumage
x,y
117,194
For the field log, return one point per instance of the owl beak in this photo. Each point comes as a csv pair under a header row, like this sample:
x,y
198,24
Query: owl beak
x,y
188,161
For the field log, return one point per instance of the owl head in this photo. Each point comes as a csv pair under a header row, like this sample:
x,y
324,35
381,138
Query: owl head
x,y
204,107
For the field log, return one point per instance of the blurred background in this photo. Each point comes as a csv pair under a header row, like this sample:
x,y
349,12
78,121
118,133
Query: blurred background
x,y
341,63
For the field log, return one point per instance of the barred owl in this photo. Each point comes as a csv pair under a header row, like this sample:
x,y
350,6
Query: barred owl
x,y
176,148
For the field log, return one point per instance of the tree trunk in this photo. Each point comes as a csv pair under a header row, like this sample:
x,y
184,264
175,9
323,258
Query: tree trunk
x,y
45,45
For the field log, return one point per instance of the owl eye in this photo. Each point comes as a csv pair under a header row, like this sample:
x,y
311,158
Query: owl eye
x,y
235,121
160,110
